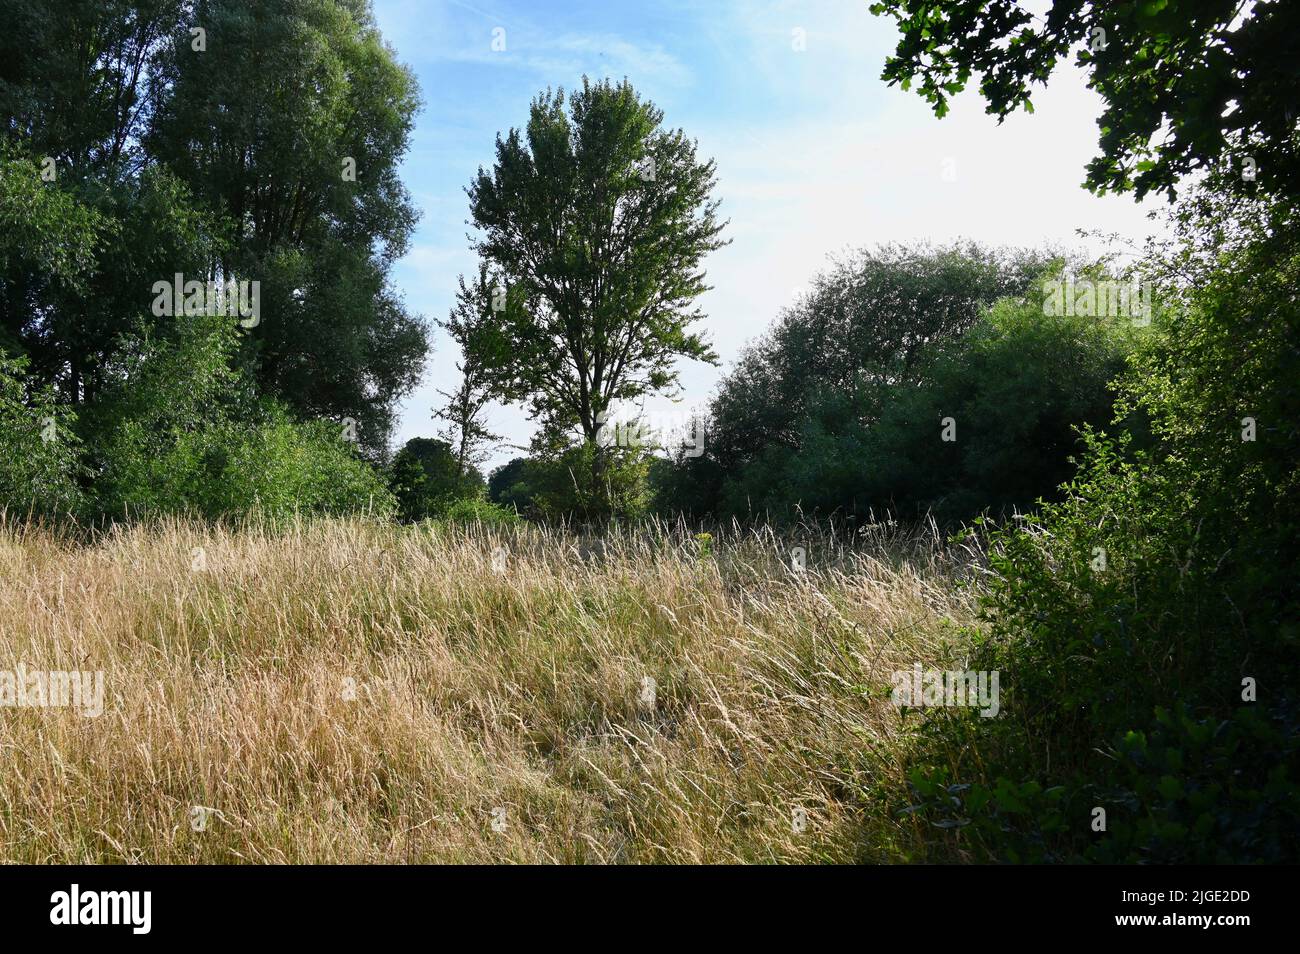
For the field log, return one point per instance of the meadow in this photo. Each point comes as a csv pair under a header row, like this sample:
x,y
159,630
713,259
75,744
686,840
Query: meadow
x,y
354,691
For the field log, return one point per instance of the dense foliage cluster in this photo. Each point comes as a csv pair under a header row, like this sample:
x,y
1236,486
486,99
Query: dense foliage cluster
x,y
144,149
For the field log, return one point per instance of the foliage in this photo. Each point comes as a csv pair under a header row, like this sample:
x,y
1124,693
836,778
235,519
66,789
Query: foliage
x,y
181,431
510,485
426,479
1174,793
480,512
554,487
48,240
841,409
1188,84
1152,611
1016,388
39,449
867,322
219,163
595,222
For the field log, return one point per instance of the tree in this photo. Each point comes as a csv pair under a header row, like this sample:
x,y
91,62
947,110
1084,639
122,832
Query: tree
x,y
596,221
426,477
865,326
1017,387
74,103
266,148
472,327
511,484
1188,84
74,85
48,240
291,124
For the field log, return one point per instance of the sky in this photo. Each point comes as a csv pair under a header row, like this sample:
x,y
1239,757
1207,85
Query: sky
x,y
815,155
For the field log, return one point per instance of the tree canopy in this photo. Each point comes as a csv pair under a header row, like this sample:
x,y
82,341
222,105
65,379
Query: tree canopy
x,y
593,224
218,139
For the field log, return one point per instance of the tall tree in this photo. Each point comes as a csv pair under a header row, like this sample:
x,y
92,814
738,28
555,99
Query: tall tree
x,y
74,103
291,122
1188,84
257,139
597,221
74,77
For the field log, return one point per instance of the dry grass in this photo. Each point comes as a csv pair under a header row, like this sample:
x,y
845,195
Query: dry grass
x,y
476,690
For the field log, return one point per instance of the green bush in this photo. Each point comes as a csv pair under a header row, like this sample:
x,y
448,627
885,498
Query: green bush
x,y
1187,789
426,479
511,485
1017,384
1017,388
39,449
180,433
1146,625
785,429
280,466
552,488
477,510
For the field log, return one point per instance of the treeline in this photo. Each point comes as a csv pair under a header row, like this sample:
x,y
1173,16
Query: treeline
x,y
196,316
910,380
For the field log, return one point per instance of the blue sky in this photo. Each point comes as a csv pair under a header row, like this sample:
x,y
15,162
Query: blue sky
x,y
815,154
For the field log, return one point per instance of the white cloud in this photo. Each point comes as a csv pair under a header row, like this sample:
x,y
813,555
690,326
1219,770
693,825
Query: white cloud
x,y
431,34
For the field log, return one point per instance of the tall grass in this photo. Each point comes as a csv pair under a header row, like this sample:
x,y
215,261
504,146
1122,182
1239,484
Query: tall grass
x,y
351,691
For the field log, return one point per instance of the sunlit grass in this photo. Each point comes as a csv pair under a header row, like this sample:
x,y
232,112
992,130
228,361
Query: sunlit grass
x,y
347,691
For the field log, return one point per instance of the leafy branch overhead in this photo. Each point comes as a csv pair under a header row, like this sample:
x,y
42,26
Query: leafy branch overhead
x,y
1188,85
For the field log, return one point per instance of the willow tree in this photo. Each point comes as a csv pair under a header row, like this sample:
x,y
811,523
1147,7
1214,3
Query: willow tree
x,y
594,222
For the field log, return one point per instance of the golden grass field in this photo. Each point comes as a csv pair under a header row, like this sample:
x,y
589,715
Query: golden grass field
x,y
349,691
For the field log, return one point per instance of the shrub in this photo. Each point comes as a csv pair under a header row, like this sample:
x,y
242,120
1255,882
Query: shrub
x,y
1016,385
477,510
1015,389
1146,624
281,466
39,449
789,416
426,479
180,433
552,488
510,485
